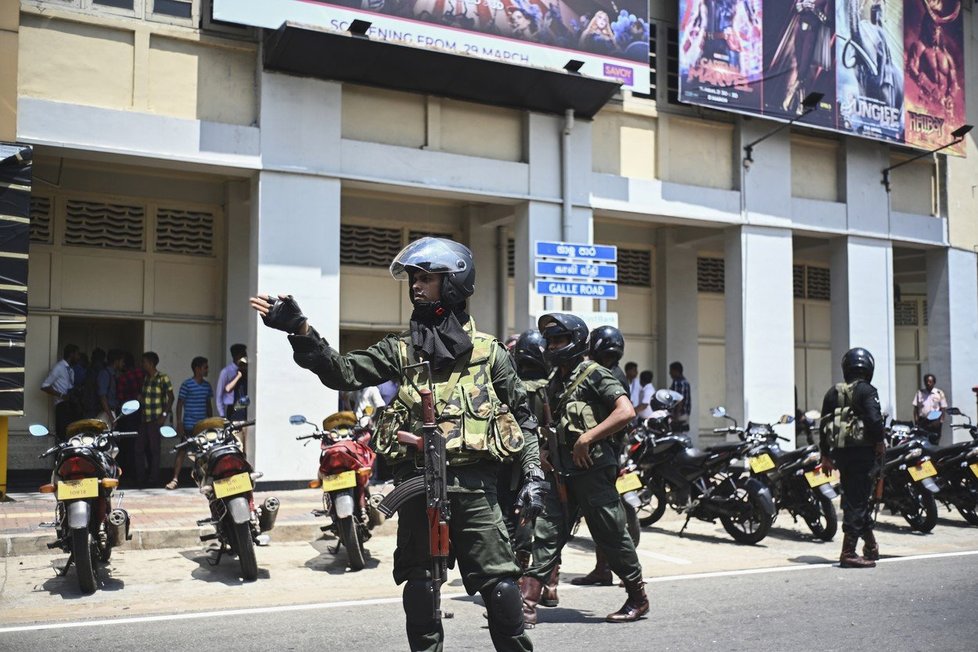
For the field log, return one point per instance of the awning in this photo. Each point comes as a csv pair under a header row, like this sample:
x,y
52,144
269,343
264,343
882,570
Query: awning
x,y
326,54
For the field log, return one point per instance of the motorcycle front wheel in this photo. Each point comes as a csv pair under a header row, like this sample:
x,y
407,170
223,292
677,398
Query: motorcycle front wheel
x,y
244,546
350,536
752,524
822,518
653,502
922,513
81,548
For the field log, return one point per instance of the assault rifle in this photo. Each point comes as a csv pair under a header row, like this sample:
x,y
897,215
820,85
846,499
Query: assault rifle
x,y
431,485
547,427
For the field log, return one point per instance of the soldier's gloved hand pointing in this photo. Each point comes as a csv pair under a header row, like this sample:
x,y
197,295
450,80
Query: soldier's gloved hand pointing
x,y
284,315
530,502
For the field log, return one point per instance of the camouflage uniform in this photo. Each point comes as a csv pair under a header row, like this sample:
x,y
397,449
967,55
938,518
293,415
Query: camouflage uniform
x,y
478,535
591,491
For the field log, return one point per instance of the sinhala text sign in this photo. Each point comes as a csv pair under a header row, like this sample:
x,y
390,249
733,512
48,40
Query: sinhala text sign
x,y
571,269
890,70
611,37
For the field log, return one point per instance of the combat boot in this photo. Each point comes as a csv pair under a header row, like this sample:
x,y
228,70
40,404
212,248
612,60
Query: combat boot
x,y
549,597
849,558
530,589
871,549
636,606
600,575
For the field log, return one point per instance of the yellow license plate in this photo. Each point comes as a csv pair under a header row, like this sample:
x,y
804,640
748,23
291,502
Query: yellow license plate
x,y
339,481
974,469
817,477
236,484
72,489
761,463
628,482
923,470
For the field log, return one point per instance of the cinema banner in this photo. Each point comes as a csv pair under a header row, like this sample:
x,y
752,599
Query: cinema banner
x,y
611,37
891,70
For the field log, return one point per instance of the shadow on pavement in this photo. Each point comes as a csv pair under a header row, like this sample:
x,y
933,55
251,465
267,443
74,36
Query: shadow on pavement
x,y
228,572
67,586
335,563
943,521
704,538
893,527
795,535
812,560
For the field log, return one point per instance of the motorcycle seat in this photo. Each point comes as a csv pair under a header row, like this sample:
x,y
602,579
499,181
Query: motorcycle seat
x,y
797,454
724,447
951,451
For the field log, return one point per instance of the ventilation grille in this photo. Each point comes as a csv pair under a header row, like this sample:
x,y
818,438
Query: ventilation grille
x,y
818,284
368,246
111,226
905,313
417,235
709,275
924,310
41,219
672,65
511,257
184,232
652,64
635,267
798,281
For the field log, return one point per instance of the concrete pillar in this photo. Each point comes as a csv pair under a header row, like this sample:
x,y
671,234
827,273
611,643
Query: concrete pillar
x,y
237,312
952,329
490,267
862,309
677,309
295,236
760,324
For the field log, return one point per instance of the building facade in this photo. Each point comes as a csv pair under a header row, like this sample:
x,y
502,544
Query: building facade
x,y
176,175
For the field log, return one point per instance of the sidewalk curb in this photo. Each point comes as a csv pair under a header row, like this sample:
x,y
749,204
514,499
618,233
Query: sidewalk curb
x,y
16,545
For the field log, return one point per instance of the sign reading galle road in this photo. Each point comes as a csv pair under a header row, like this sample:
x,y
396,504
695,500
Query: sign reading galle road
x,y
573,269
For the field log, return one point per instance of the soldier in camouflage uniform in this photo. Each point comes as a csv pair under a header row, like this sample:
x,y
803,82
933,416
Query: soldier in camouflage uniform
x,y
480,406
589,406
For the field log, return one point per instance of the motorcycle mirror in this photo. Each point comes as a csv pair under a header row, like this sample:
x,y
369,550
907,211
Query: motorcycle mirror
x,y
785,419
37,430
297,420
168,432
718,411
130,407
955,411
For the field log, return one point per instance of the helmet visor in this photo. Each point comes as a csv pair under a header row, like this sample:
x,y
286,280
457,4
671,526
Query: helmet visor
x,y
433,255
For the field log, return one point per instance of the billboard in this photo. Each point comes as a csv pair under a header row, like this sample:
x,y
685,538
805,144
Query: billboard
x,y
891,70
611,37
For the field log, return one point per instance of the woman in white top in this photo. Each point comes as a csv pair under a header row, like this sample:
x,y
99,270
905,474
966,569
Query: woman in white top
x,y
644,408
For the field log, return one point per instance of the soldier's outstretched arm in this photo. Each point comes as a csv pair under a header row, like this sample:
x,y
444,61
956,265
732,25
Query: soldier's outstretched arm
x,y
377,364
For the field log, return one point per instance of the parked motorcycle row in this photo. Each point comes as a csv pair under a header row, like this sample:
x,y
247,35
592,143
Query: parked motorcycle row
x,y
745,484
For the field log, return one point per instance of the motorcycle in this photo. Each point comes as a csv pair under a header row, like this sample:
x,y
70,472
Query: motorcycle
x,y
957,471
85,474
908,476
345,466
702,484
226,478
794,477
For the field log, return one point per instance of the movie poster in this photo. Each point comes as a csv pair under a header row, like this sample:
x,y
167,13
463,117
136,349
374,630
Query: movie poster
x,y
934,33
799,58
721,60
869,67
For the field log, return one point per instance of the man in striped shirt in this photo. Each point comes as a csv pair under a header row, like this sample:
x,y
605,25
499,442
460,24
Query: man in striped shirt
x,y
194,402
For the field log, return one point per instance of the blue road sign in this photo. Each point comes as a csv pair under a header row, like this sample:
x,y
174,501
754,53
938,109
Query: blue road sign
x,y
598,272
577,289
580,251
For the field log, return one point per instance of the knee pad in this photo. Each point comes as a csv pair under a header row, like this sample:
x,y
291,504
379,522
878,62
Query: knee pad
x,y
418,608
505,607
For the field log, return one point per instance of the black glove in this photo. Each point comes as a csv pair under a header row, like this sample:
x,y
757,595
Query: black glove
x,y
530,502
284,315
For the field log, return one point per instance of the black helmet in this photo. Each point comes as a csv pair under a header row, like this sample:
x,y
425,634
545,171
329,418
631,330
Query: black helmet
x,y
858,363
555,324
528,352
606,342
439,256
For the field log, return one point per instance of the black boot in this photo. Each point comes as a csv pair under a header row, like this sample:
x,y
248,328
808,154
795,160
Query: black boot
x,y
600,575
871,549
636,606
849,558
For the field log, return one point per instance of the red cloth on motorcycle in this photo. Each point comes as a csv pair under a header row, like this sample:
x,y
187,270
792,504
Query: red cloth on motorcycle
x,y
346,455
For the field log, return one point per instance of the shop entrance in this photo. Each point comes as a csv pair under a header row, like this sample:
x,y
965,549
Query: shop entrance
x,y
90,333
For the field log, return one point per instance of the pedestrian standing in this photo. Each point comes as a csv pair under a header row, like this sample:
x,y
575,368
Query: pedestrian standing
x,y
927,400
195,401
128,387
589,407
684,409
232,382
851,439
157,401
106,383
58,383
644,409
482,413
634,386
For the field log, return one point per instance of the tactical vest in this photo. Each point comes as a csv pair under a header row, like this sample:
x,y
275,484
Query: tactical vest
x,y
476,425
846,428
574,416
535,397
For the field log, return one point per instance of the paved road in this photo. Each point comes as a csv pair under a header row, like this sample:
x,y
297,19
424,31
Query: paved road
x,y
904,604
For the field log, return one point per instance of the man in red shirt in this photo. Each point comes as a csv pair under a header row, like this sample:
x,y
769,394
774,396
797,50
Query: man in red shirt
x,y
128,385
